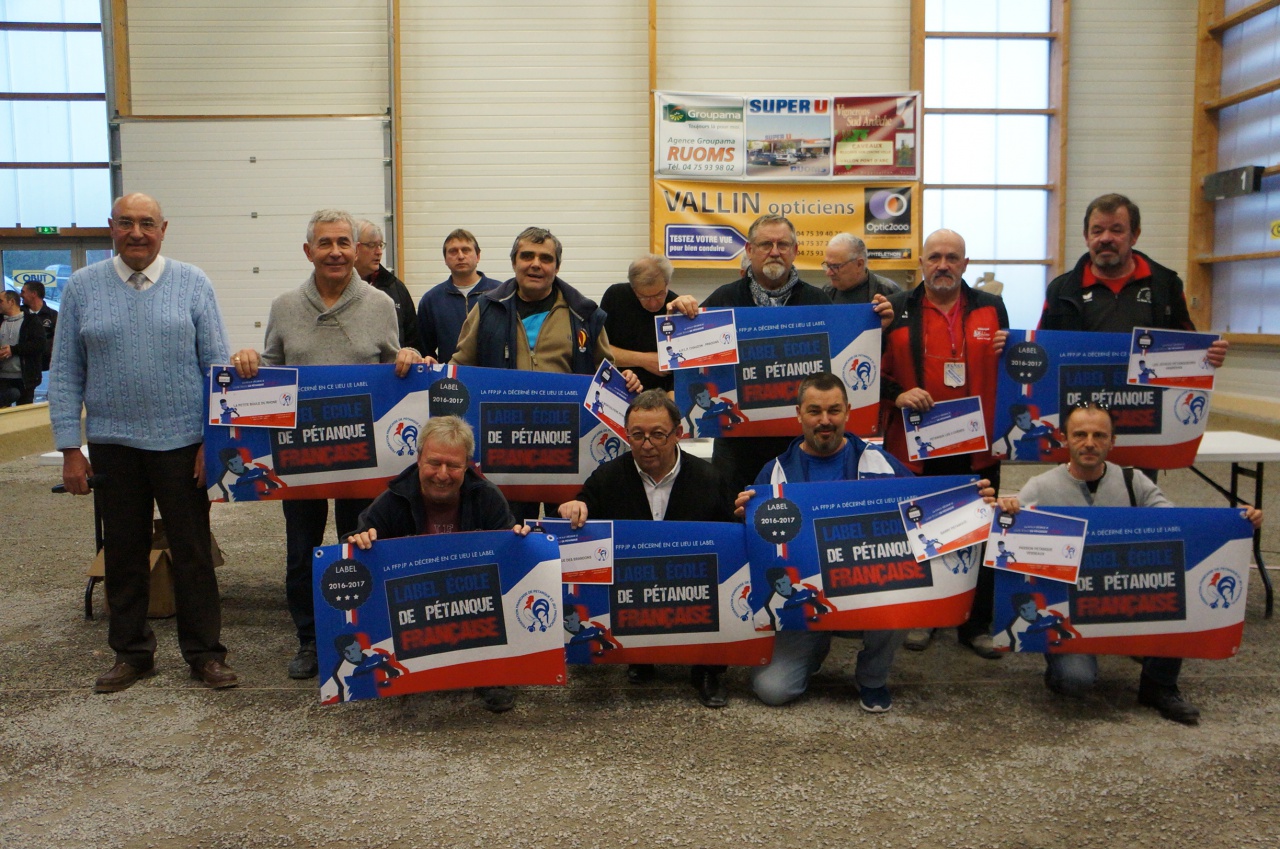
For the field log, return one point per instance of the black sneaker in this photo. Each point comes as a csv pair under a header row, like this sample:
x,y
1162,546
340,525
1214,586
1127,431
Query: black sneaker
x,y
304,664
497,699
1170,703
641,673
709,682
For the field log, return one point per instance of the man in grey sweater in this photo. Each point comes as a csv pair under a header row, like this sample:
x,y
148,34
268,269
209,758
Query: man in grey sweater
x,y
1088,480
333,318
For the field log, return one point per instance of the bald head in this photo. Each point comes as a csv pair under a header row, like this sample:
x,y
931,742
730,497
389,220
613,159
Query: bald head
x,y
942,264
137,229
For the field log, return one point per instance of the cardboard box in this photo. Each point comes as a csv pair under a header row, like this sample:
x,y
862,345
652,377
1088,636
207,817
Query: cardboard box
x,y
162,604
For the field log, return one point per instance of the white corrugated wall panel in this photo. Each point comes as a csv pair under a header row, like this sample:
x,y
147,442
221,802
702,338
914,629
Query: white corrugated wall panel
x,y
258,57
1129,117
201,173
842,46
516,115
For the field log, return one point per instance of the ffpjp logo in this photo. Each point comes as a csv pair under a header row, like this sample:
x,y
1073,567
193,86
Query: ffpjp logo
x,y
1221,588
888,211
535,611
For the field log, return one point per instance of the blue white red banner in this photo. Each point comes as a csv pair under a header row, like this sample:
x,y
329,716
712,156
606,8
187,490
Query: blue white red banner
x,y
708,339
680,594
437,613
534,438
357,427
1044,373
777,349
834,556
1165,582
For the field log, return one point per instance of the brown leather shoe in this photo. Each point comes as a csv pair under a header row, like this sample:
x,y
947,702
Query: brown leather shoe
x,y
122,676
215,674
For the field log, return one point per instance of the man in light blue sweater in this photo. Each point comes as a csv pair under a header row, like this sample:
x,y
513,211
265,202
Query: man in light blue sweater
x,y
333,318
136,334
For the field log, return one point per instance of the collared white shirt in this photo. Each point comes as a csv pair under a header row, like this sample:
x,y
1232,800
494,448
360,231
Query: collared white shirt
x,y
152,272
659,491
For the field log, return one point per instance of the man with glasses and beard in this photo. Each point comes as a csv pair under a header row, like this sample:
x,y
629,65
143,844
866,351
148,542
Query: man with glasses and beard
x,y
657,481
771,280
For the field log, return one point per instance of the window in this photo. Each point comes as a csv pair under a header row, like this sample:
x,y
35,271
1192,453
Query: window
x,y
993,125
54,161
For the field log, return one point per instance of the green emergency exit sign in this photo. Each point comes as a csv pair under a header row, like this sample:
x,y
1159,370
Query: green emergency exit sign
x,y
46,231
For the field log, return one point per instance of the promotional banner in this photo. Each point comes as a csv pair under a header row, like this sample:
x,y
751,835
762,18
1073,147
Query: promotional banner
x,y
722,160
1044,373
356,428
1165,582
777,349
534,438
797,137
437,613
834,556
1173,358
679,595
705,224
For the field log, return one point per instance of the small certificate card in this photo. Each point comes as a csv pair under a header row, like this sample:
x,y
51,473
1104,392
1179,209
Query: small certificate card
x,y
269,399
608,398
1043,545
1173,358
945,521
711,339
951,427
586,554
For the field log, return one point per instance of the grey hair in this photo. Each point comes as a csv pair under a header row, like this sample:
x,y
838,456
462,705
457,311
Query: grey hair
x,y
331,216
365,224
644,266
857,247
449,431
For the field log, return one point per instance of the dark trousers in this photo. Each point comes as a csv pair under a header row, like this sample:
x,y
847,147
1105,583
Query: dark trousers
x,y
11,392
132,480
304,524
983,610
740,459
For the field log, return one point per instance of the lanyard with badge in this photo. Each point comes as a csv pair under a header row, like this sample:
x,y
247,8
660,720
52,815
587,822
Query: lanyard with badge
x,y
953,367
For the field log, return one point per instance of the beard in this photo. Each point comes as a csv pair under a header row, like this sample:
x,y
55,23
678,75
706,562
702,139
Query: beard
x,y
775,270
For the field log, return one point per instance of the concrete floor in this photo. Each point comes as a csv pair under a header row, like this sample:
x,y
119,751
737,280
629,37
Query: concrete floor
x,y
974,753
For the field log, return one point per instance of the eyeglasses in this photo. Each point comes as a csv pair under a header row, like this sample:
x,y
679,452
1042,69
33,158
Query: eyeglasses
x,y
373,246
1089,404
657,439
834,267
768,247
124,225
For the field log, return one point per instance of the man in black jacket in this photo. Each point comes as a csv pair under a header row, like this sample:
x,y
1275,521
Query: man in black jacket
x,y
21,349
441,494
657,481
1114,288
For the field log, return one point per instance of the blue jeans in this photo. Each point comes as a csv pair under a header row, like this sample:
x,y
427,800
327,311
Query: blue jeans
x,y
1075,674
797,655
304,524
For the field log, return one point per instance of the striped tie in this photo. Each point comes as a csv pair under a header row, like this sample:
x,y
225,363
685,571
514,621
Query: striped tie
x,y
138,280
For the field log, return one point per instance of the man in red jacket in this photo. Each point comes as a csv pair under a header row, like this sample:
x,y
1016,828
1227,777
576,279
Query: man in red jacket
x,y
944,344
